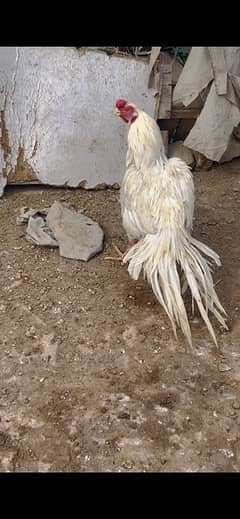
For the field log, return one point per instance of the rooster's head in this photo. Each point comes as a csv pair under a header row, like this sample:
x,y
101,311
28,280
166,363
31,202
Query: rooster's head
x,y
127,111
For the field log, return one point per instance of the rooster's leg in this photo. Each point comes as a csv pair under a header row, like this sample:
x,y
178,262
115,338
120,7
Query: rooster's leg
x,y
121,255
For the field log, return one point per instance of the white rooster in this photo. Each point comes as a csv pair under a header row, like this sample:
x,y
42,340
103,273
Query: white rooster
x,y
157,203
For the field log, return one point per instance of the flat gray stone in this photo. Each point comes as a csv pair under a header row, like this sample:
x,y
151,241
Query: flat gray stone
x,y
78,236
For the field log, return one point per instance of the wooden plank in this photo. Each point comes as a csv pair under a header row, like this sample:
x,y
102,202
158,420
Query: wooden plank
x,y
163,80
165,68
159,83
165,140
166,93
167,59
188,113
153,58
178,129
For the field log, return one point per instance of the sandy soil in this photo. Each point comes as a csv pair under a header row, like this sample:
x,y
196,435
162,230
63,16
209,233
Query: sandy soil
x,y
91,376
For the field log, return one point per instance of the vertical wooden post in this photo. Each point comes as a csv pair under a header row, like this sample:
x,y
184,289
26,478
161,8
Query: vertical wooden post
x,y
164,98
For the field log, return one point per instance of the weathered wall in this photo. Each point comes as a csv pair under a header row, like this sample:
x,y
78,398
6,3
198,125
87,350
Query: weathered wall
x,y
56,107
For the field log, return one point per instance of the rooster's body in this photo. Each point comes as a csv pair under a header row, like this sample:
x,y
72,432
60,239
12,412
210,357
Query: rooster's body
x,y
157,203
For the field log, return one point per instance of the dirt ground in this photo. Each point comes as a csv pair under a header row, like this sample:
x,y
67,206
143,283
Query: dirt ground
x,y
92,378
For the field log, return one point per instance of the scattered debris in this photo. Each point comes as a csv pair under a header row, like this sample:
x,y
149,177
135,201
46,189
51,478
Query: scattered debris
x,y
124,415
236,405
39,233
224,367
31,332
49,348
227,452
76,235
26,212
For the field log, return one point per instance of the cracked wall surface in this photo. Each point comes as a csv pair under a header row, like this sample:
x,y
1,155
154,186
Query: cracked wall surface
x,y
57,124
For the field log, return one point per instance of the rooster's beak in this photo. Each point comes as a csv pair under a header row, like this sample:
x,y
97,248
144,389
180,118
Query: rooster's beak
x,y
117,112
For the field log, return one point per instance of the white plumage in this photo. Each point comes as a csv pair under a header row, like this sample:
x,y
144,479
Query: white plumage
x,y
157,204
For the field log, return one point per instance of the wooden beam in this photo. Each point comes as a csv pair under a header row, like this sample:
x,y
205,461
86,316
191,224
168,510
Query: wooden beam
x,y
164,134
166,93
159,83
163,79
188,113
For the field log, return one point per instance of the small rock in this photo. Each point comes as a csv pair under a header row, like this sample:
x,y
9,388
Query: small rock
x,y
76,449
236,405
124,415
227,453
31,332
163,461
224,367
133,425
127,464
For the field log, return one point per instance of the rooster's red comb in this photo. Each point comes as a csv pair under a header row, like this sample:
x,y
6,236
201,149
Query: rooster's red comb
x,y
120,103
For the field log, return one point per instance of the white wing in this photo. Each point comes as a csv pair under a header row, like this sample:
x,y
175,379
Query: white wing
x,y
146,194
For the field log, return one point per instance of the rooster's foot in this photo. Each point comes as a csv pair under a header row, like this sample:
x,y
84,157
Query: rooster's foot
x,y
121,255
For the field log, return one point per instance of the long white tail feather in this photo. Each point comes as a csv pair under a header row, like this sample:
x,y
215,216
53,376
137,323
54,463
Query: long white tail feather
x,y
158,255
206,250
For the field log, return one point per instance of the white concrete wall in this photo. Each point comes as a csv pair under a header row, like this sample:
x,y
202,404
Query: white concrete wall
x,y
57,113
